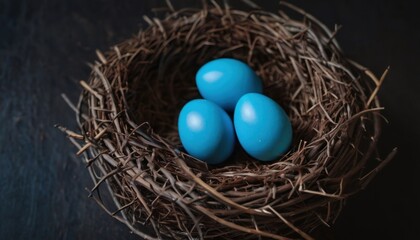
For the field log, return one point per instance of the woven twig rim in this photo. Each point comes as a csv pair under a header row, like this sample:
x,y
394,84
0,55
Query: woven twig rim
x,y
128,138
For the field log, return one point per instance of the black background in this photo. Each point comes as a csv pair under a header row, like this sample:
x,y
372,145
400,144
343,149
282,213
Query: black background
x,y
44,48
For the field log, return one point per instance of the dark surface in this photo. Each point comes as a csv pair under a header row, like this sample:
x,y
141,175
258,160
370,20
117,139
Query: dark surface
x,y
44,47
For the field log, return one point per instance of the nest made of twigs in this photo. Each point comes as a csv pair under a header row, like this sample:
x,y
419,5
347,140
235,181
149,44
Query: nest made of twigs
x,y
128,111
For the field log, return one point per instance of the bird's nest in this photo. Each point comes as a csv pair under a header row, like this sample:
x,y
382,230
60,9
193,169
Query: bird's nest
x,y
129,107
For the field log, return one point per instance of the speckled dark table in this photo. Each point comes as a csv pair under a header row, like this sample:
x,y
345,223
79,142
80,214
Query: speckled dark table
x,y
44,48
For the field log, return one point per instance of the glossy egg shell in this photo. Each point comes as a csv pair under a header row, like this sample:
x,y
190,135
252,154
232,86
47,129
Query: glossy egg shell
x,y
224,80
206,131
262,126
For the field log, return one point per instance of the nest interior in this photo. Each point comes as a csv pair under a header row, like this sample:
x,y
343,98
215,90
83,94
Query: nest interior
x,y
129,107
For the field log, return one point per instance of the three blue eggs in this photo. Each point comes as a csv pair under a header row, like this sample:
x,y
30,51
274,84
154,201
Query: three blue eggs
x,y
206,131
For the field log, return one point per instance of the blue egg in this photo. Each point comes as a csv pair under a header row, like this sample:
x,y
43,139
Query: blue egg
x,y
206,131
224,80
262,126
